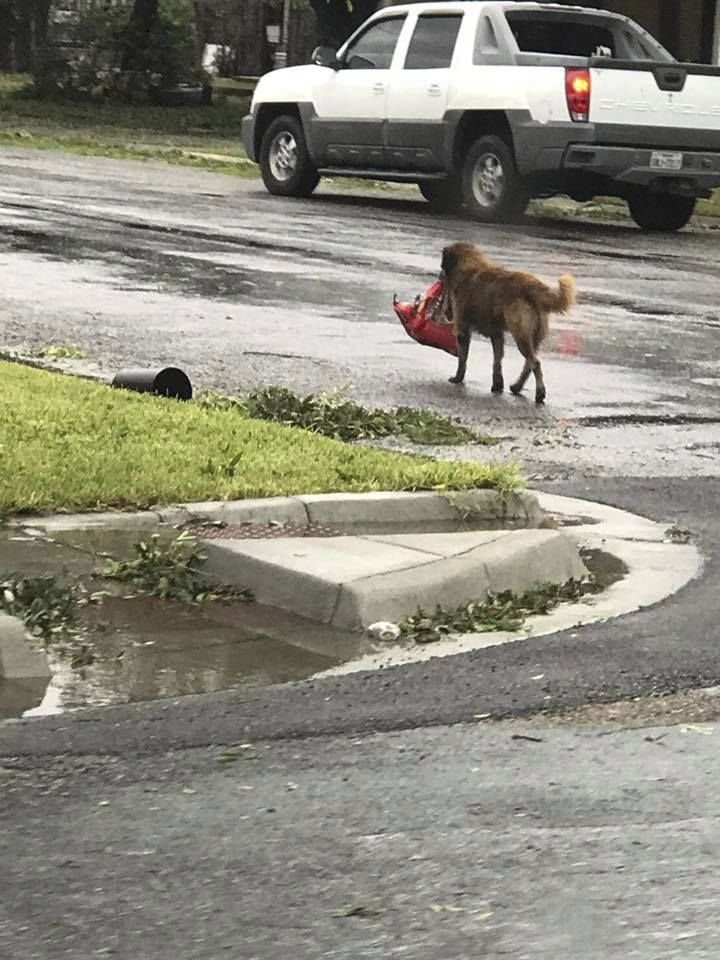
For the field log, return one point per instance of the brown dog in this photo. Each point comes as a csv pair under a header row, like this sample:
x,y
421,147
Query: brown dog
x,y
489,300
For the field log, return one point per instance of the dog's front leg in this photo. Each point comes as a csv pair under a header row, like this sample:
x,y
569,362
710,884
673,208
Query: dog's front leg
x,y
463,342
498,345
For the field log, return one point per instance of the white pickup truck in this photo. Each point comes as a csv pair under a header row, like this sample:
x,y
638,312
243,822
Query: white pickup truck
x,y
487,104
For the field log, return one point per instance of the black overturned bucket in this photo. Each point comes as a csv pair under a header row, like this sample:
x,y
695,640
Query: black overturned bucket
x,y
167,382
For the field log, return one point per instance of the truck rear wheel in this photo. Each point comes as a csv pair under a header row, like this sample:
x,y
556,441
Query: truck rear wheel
x,y
493,190
286,167
442,195
660,211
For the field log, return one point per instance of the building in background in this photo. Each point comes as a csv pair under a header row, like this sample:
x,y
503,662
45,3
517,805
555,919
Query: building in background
x,y
689,29
272,33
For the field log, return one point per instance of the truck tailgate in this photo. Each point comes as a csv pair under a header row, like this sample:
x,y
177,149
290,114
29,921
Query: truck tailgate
x,y
671,96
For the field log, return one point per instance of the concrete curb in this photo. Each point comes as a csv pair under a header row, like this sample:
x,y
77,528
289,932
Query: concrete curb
x,y
350,605
351,582
18,660
657,568
325,509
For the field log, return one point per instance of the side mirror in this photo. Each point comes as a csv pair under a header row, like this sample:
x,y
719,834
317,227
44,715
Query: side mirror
x,y
326,57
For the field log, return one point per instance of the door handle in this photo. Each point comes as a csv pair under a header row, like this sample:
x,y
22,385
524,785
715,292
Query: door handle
x,y
434,90
379,88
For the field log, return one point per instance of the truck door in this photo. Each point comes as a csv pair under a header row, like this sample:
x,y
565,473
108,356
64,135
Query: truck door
x,y
349,126
418,94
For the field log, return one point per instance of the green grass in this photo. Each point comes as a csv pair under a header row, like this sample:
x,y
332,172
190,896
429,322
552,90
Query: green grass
x,y
181,135
609,208
66,444
711,207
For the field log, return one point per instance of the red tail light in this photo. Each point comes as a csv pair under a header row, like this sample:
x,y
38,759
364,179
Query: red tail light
x,y
577,91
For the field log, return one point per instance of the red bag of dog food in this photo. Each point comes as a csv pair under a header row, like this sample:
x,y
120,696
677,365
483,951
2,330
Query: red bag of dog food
x,y
421,319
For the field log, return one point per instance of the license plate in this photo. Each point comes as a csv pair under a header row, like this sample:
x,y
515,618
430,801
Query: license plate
x,y
666,161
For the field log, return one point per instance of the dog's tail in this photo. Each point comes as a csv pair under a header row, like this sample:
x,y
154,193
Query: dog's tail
x,y
553,301
560,300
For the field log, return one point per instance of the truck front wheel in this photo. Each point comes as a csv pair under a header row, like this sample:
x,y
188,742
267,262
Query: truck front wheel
x,y
493,190
286,167
660,211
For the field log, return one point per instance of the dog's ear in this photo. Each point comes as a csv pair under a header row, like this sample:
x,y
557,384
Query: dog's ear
x,y
449,261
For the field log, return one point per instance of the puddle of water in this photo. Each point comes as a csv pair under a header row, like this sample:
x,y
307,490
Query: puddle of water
x,y
17,696
145,648
606,568
555,521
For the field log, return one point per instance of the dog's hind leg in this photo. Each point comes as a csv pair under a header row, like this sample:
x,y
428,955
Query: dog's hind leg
x,y
463,342
532,365
517,387
540,391
498,345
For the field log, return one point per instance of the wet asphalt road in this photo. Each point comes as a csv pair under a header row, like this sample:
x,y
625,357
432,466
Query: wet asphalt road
x,y
159,264
444,843
547,852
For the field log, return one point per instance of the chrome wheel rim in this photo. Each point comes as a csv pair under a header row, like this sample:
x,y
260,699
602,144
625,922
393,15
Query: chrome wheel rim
x,y
488,180
283,156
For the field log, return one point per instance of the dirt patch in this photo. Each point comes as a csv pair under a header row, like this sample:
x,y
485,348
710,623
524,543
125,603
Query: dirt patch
x,y
694,706
261,531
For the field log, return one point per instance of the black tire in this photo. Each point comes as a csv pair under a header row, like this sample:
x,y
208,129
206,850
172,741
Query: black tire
x,y
501,196
660,211
442,195
286,167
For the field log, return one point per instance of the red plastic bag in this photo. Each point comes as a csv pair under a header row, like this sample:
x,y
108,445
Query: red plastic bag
x,y
419,319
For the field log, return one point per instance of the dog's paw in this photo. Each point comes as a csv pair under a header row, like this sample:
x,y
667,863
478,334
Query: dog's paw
x,y
498,386
456,380
540,396
516,389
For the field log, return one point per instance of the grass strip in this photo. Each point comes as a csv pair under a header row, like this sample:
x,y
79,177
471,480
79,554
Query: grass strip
x,y
69,444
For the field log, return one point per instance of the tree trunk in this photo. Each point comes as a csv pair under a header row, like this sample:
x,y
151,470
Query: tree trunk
x,y
336,21
41,18
142,19
144,15
7,35
302,38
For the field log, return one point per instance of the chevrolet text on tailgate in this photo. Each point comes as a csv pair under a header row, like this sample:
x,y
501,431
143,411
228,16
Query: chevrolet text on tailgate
x,y
488,104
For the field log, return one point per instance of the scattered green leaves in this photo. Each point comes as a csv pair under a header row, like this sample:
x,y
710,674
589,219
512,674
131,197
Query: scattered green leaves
x,y
46,607
357,910
677,534
332,414
245,751
63,351
171,571
49,611
501,612
83,656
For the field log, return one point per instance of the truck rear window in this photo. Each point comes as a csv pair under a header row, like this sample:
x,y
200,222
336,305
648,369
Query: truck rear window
x,y
560,36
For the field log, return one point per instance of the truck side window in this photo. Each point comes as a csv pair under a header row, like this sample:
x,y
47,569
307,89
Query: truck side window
x,y
374,49
433,42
